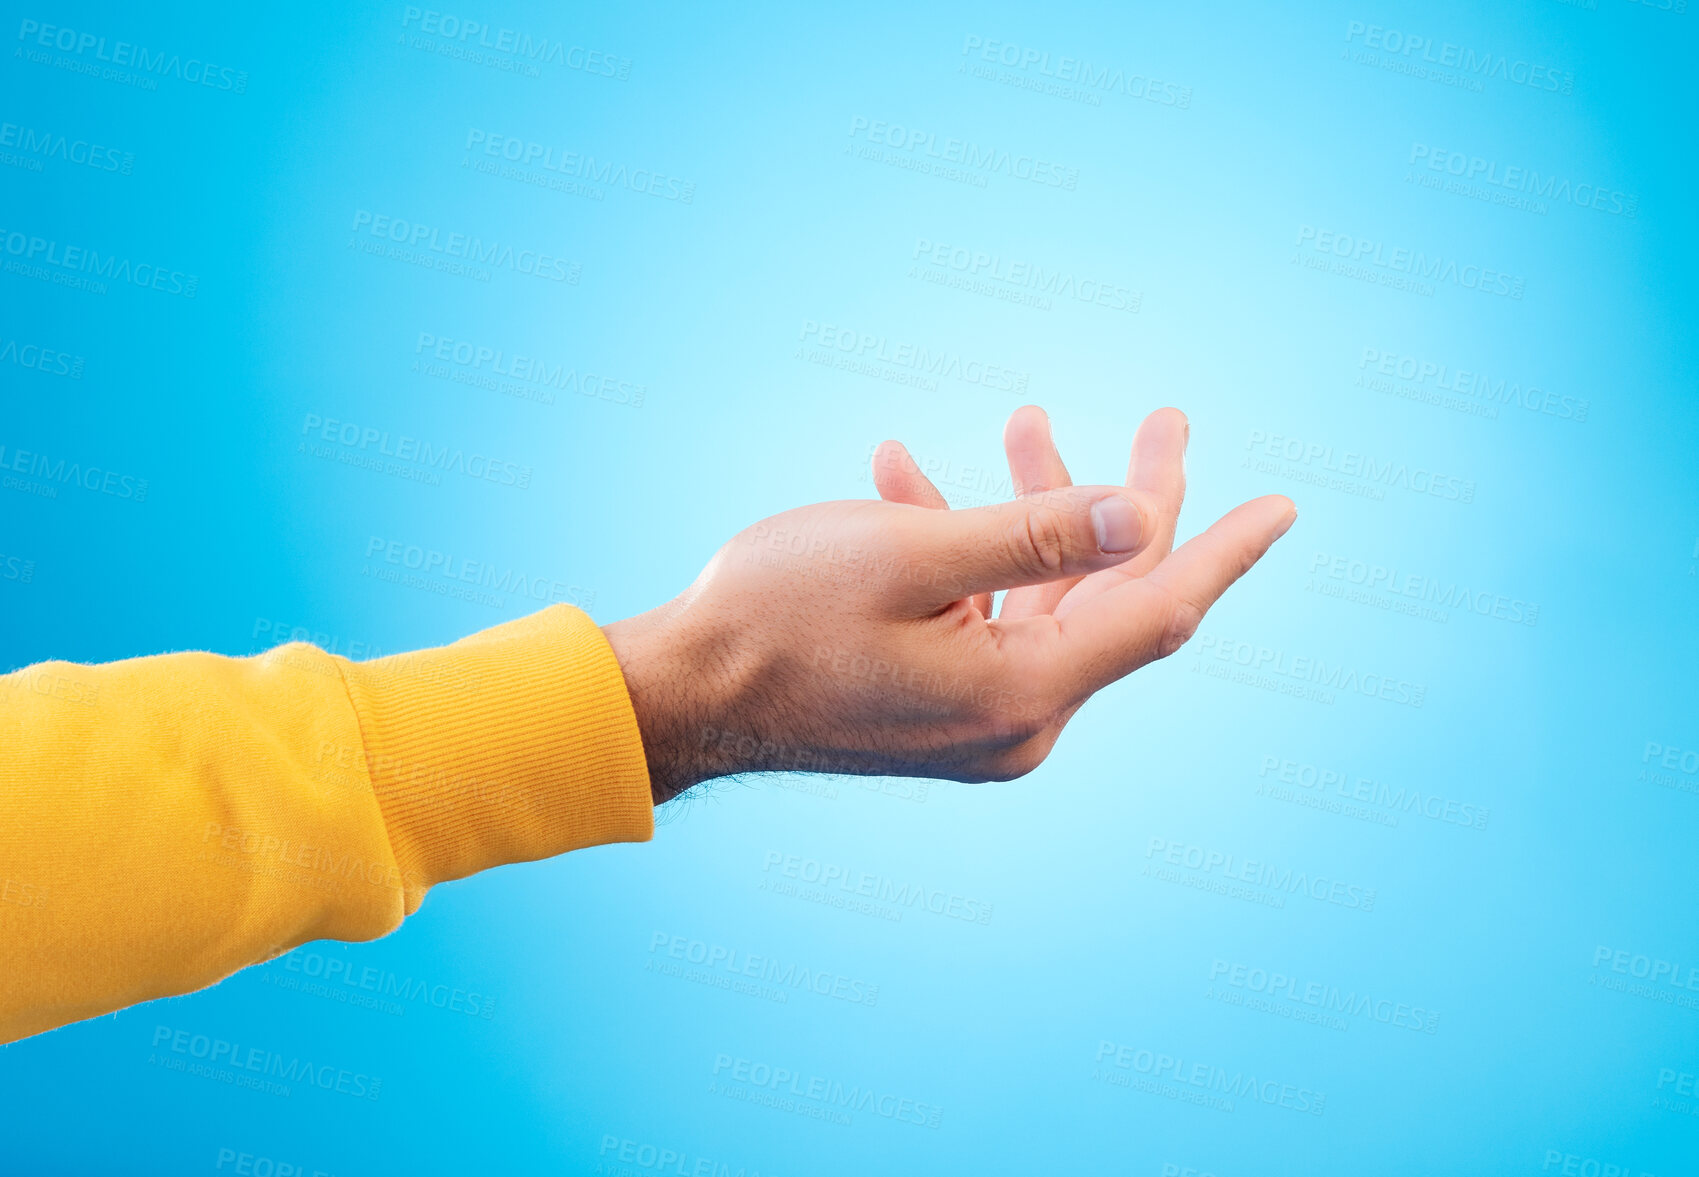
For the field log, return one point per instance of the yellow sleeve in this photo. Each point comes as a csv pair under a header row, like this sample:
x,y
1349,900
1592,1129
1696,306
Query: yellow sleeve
x,y
165,821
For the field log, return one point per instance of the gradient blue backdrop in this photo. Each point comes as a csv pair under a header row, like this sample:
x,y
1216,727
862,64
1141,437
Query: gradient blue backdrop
x,y
1204,187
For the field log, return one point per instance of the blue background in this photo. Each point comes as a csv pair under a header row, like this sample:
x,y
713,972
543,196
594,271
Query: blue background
x,y
1197,201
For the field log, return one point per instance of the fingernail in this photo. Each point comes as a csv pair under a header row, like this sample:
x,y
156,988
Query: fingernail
x,y
1118,524
1287,525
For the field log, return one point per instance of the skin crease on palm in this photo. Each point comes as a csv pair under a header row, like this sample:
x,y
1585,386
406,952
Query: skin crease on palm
x,y
857,636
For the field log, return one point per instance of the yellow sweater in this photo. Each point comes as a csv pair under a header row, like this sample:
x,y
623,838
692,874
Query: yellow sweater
x,y
165,821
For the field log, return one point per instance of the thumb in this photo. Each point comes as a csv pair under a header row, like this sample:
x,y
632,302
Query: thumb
x,y
1067,532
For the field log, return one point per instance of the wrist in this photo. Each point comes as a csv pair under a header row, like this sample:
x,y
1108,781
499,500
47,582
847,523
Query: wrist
x,y
681,674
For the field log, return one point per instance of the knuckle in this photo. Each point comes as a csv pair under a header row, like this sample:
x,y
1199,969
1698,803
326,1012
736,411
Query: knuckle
x,y
1012,728
1038,542
1003,719
1181,623
1017,761
1011,707
1038,715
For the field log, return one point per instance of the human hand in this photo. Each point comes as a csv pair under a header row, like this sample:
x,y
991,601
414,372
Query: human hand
x,y
857,636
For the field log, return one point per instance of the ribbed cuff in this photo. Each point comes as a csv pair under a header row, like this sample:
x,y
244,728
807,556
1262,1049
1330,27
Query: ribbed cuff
x,y
513,744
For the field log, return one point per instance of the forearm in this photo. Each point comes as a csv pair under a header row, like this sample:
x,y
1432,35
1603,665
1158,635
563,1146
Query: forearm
x,y
171,831
172,819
